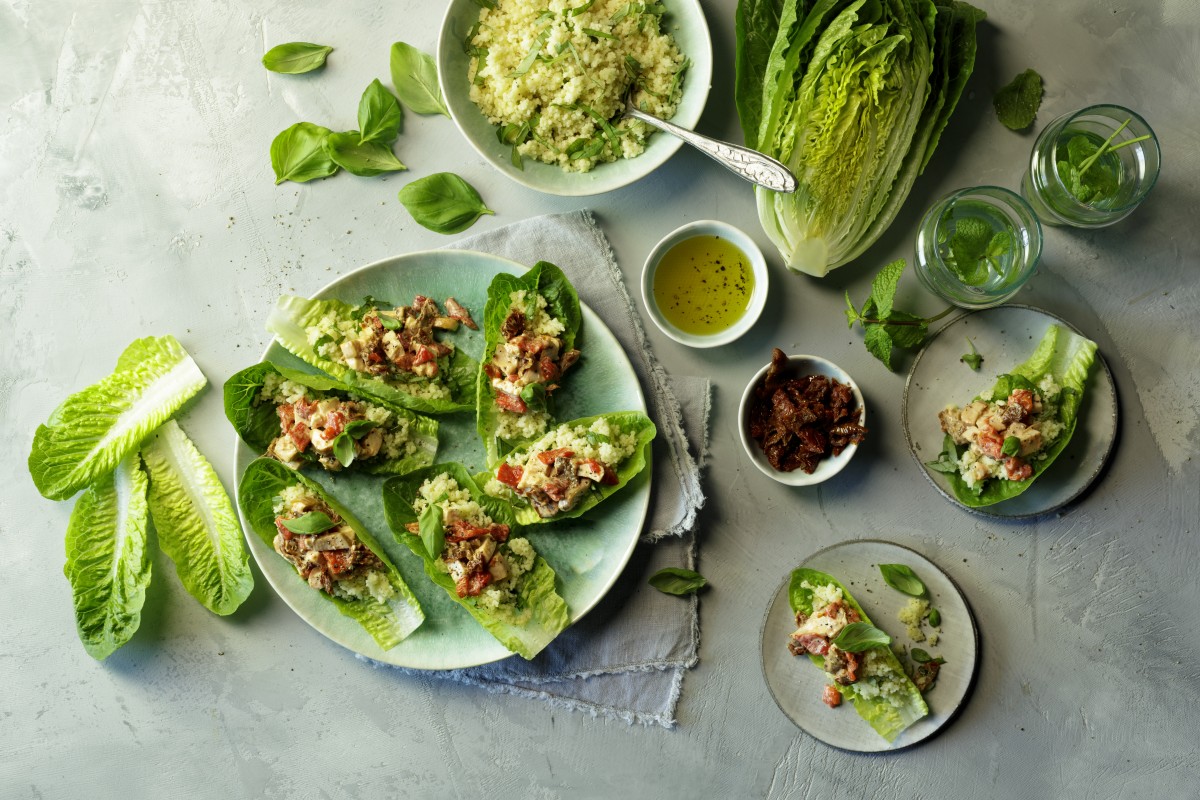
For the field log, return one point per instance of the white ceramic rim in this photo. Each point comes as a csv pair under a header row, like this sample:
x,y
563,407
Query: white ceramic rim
x,y
589,182
758,265
828,467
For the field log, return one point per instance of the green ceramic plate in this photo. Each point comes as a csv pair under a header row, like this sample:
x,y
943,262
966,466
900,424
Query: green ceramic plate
x,y
587,554
684,20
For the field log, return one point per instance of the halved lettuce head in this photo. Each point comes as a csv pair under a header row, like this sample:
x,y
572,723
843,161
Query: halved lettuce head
x,y
623,423
888,715
1062,355
108,561
295,322
256,421
387,623
96,427
539,613
562,303
195,521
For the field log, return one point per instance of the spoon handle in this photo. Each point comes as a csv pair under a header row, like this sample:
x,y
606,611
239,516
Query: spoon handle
x,y
749,164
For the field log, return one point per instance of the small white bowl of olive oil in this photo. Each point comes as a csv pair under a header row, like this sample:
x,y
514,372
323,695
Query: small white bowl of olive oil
x,y
705,284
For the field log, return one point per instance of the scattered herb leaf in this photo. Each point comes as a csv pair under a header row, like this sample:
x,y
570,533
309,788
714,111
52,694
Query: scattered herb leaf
x,y
310,523
533,53
1017,103
859,636
577,10
363,158
935,617
1011,446
379,115
901,578
295,58
884,327
676,581
443,203
414,74
298,154
921,657
972,359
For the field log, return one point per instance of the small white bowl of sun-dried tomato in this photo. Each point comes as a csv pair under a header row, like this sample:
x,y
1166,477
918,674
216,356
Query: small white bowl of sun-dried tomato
x,y
801,419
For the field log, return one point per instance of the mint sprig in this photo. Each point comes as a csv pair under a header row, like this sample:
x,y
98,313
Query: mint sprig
x,y
1082,155
885,327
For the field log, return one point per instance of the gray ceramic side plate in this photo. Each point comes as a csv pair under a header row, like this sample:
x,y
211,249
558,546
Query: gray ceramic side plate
x,y
1005,336
796,683
587,555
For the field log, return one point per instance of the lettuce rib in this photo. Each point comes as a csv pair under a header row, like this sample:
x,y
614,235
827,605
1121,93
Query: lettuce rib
x,y
95,428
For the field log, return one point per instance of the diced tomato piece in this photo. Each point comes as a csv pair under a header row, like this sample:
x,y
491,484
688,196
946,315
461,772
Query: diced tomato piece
x,y
375,357
335,423
300,436
338,561
830,696
548,369
991,443
548,456
508,474
813,643
287,417
1023,398
853,662
424,355
492,371
1016,469
477,581
509,403
282,528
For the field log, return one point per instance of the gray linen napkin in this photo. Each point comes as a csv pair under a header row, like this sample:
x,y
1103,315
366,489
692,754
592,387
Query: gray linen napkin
x,y
626,658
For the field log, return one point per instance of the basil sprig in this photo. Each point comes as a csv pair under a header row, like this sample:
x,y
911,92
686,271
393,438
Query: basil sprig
x,y
414,74
298,154
859,636
443,203
677,581
310,523
902,579
295,58
343,443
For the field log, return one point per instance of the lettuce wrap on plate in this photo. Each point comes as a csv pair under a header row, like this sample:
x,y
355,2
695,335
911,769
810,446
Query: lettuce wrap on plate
x,y
468,545
530,324
998,444
871,679
570,469
331,550
303,419
388,353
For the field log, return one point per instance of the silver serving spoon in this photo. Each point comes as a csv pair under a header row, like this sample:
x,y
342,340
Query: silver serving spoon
x,y
741,161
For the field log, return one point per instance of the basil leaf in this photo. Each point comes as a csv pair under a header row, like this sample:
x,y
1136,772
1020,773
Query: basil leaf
x,y
676,581
432,532
533,53
1011,446
443,203
920,656
414,74
599,34
597,438
359,428
902,579
935,617
390,322
515,159
295,58
310,523
534,395
361,158
485,3
379,115
577,10
343,449
859,636
298,154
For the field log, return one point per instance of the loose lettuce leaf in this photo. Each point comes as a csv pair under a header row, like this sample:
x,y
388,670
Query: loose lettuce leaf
x,y
195,521
457,371
95,428
108,564
258,424
547,612
888,716
756,25
562,303
388,623
626,422
1066,356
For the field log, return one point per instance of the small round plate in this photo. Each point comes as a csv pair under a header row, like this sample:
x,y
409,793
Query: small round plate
x,y
1005,336
684,21
796,684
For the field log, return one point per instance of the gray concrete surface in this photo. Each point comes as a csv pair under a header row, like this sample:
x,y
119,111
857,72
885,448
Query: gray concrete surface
x,y
136,198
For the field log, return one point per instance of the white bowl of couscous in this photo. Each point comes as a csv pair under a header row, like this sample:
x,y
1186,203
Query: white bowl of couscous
x,y
553,78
